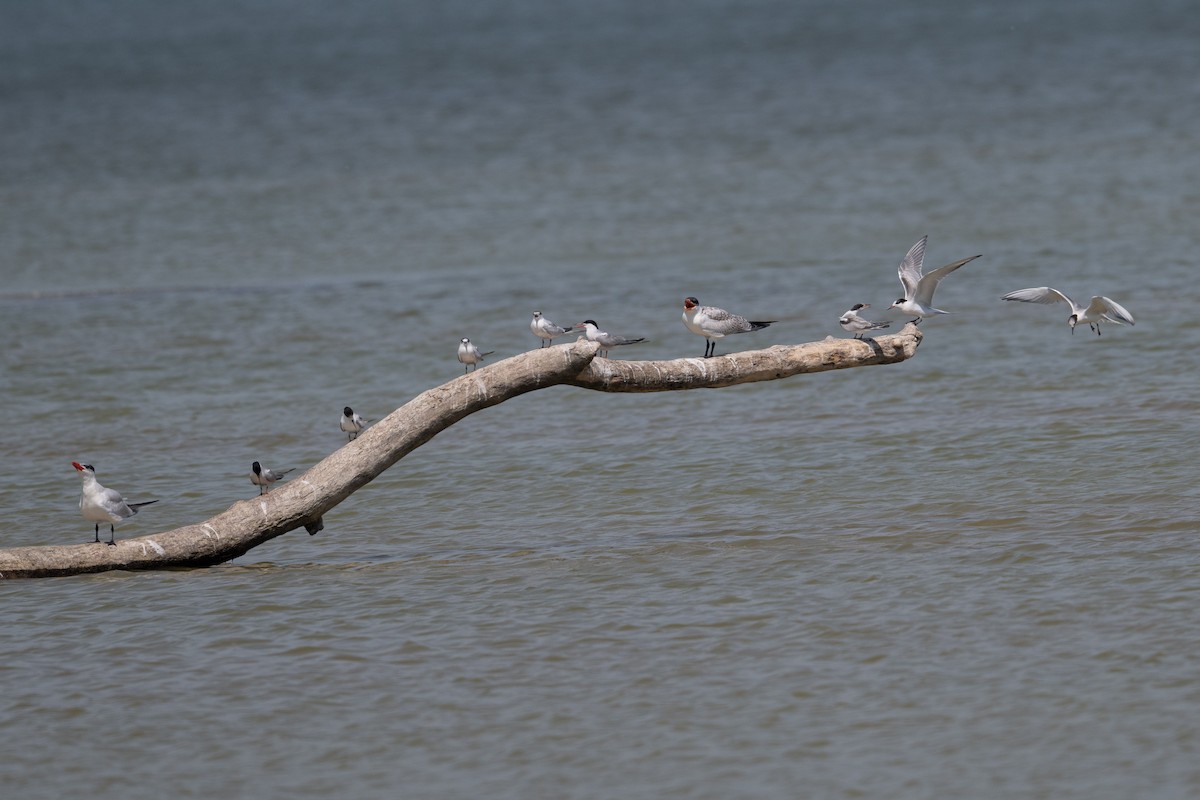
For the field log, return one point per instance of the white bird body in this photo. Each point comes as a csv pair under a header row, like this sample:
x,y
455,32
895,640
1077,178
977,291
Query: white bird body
x,y
852,322
546,330
715,323
919,287
352,423
100,504
469,354
606,340
1099,309
262,477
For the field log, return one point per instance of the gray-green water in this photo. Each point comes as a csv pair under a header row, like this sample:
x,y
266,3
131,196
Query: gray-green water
x,y
970,575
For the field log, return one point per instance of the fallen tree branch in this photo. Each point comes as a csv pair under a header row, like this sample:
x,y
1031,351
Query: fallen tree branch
x,y
304,500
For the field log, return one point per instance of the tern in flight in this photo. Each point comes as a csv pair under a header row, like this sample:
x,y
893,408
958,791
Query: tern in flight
x,y
919,288
1100,309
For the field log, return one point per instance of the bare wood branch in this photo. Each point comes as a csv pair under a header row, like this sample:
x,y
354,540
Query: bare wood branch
x,y
304,500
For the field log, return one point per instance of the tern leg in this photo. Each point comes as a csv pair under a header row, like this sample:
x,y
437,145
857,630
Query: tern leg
x,y
97,533
112,536
916,321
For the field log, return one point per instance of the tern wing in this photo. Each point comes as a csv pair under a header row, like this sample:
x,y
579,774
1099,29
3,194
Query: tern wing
x,y
925,286
718,314
910,267
726,322
1110,309
1039,294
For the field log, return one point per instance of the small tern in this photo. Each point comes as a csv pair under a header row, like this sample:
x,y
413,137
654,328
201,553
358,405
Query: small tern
x,y
352,423
262,477
853,323
606,340
546,330
1100,309
715,323
469,354
98,504
919,288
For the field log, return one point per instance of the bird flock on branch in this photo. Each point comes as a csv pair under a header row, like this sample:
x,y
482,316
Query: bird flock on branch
x,y
101,505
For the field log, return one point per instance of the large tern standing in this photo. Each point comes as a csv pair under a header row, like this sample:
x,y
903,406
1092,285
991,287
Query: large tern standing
x,y
919,288
715,323
352,424
853,323
606,340
469,354
1100,309
546,330
262,477
99,504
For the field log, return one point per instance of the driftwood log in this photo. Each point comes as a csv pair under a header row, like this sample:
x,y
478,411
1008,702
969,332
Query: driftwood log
x,y
304,500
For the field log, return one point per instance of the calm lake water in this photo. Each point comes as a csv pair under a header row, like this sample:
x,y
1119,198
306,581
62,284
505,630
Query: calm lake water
x,y
973,574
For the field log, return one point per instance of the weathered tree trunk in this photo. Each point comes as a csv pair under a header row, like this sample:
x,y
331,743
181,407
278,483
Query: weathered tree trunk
x,y
302,501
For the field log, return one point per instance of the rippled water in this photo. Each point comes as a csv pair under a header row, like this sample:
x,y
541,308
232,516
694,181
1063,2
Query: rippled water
x,y
969,575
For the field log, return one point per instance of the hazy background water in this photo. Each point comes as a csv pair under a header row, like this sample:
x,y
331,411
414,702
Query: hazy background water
x,y
970,575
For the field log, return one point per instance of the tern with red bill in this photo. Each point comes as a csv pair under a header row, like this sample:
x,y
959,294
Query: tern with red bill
x,y
99,504
716,323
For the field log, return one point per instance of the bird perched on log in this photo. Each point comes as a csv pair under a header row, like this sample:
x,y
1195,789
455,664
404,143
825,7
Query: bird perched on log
x,y
352,423
99,504
262,477
469,354
606,340
546,330
1099,309
852,322
715,323
919,288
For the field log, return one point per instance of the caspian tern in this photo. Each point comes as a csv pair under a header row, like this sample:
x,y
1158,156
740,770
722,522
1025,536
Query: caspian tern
x,y
715,323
